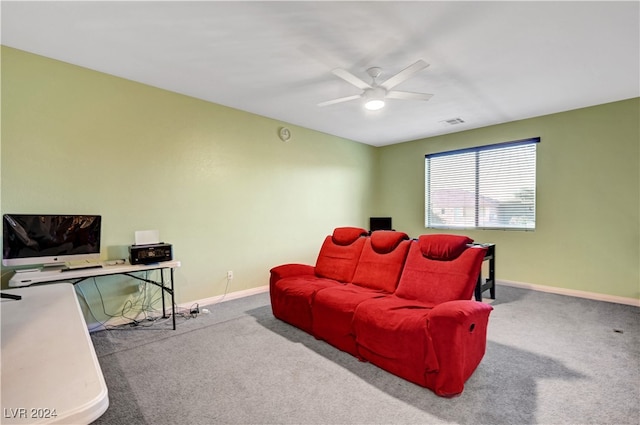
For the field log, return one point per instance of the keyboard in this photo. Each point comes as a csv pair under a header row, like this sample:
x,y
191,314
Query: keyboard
x,y
81,267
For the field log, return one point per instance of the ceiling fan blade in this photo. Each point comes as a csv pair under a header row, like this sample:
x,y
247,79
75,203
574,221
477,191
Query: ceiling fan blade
x,y
407,95
339,100
351,79
404,74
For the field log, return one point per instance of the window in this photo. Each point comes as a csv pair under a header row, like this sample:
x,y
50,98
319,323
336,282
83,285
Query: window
x,y
487,187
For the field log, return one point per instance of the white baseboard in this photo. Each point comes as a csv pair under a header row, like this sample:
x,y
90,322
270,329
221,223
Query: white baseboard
x,y
571,292
227,297
550,289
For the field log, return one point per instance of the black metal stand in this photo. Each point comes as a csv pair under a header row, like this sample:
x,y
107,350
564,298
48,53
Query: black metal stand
x,y
164,288
160,284
490,282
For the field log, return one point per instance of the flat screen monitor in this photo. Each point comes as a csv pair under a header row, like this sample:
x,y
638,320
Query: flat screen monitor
x,y
380,223
47,239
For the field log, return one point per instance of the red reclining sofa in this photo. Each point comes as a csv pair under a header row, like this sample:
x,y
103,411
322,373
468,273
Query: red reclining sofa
x,y
404,305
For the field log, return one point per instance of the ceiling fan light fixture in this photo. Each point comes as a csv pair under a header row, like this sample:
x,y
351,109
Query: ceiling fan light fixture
x,y
374,98
374,104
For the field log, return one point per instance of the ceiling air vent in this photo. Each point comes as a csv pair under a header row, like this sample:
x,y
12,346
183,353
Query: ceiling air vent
x,y
453,121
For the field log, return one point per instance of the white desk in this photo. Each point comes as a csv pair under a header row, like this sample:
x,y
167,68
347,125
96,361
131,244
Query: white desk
x,y
49,371
42,276
78,275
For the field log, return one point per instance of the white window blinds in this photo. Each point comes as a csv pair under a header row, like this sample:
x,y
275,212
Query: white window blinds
x,y
487,187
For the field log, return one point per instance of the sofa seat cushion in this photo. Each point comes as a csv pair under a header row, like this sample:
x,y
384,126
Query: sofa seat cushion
x,y
381,261
292,298
392,333
332,314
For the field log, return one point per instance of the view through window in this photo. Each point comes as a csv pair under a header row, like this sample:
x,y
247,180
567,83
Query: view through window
x,y
486,187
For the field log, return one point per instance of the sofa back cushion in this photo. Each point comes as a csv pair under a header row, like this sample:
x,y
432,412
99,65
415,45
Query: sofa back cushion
x,y
440,268
443,247
382,260
339,254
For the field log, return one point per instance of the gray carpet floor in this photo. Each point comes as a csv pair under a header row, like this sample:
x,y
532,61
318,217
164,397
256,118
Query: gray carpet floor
x,y
550,359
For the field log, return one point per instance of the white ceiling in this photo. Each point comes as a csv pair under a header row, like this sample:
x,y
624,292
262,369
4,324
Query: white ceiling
x,y
490,62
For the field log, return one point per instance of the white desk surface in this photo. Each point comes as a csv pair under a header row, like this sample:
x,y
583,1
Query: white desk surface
x,y
28,278
48,362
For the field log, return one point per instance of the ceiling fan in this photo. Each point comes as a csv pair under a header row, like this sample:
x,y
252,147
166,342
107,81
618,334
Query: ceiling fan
x,y
376,93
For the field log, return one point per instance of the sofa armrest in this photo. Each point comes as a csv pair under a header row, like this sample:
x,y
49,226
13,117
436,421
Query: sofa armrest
x,y
458,335
288,270
459,312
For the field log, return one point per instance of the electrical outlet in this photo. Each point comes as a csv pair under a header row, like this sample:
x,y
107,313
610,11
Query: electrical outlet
x,y
230,274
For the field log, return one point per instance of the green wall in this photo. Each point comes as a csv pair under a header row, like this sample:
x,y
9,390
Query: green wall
x,y
229,195
216,182
587,235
